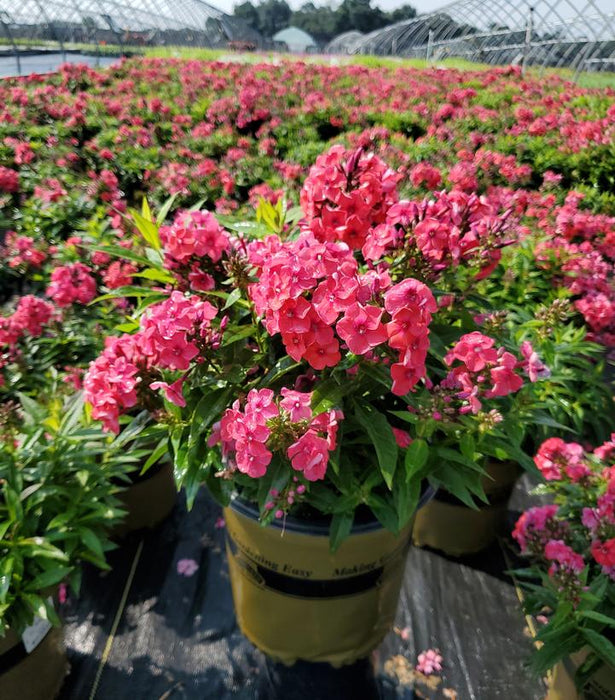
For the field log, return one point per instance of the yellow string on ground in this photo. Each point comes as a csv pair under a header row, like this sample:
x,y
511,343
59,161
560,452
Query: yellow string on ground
x,y
528,618
116,621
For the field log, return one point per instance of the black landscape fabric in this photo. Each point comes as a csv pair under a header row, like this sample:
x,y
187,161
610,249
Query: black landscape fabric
x,y
177,637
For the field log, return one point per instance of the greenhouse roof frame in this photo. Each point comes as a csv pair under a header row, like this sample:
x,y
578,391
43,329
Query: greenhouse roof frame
x,y
545,32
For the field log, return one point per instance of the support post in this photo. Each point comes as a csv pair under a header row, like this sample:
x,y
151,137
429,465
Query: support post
x,y
529,30
5,20
429,46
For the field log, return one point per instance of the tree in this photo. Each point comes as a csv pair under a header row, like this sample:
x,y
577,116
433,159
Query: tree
x,y
359,15
248,13
319,22
273,15
401,13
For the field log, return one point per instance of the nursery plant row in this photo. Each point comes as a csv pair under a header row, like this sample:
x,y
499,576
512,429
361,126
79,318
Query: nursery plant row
x,y
354,303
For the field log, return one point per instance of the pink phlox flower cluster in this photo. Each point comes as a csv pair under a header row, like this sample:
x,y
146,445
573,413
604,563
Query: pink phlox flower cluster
x,y
173,334
245,433
9,180
485,371
447,229
110,384
533,365
558,460
51,191
175,330
30,317
535,527
329,270
410,305
266,192
72,284
425,174
304,287
345,194
118,274
604,554
563,557
194,234
429,662
22,251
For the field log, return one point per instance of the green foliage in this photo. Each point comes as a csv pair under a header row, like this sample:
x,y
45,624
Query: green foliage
x,y
57,504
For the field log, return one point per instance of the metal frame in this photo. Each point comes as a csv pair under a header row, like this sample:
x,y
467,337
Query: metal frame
x,y
57,24
546,33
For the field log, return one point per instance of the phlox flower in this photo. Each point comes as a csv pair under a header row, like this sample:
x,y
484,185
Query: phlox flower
x,y
310,455
361,328
173,392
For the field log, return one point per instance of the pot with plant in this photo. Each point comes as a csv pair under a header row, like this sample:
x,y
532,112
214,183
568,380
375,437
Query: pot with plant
x,y
571,580
57,504
306,385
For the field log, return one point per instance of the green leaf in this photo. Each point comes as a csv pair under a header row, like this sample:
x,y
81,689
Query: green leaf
x,y
161,450
119,252
49,578
151,273
130,291
91,541
384,509
328,394
165,209
549,654
600,644
467,446
233,297
38,547
416,457
449,455
146,227
129,326
341,525
146,212
380,433
211,406
406,496
598,617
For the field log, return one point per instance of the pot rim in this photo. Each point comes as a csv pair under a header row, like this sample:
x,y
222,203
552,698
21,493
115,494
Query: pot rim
x,y
318,527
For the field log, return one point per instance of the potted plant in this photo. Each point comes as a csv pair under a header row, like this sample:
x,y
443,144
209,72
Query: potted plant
x,y
312,388
571,580
57,504
566,395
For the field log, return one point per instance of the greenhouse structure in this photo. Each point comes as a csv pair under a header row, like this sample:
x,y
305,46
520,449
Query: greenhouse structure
x,y
548,33
28,24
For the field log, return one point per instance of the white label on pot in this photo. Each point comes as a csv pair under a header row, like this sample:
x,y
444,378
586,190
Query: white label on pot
x,y
34,634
